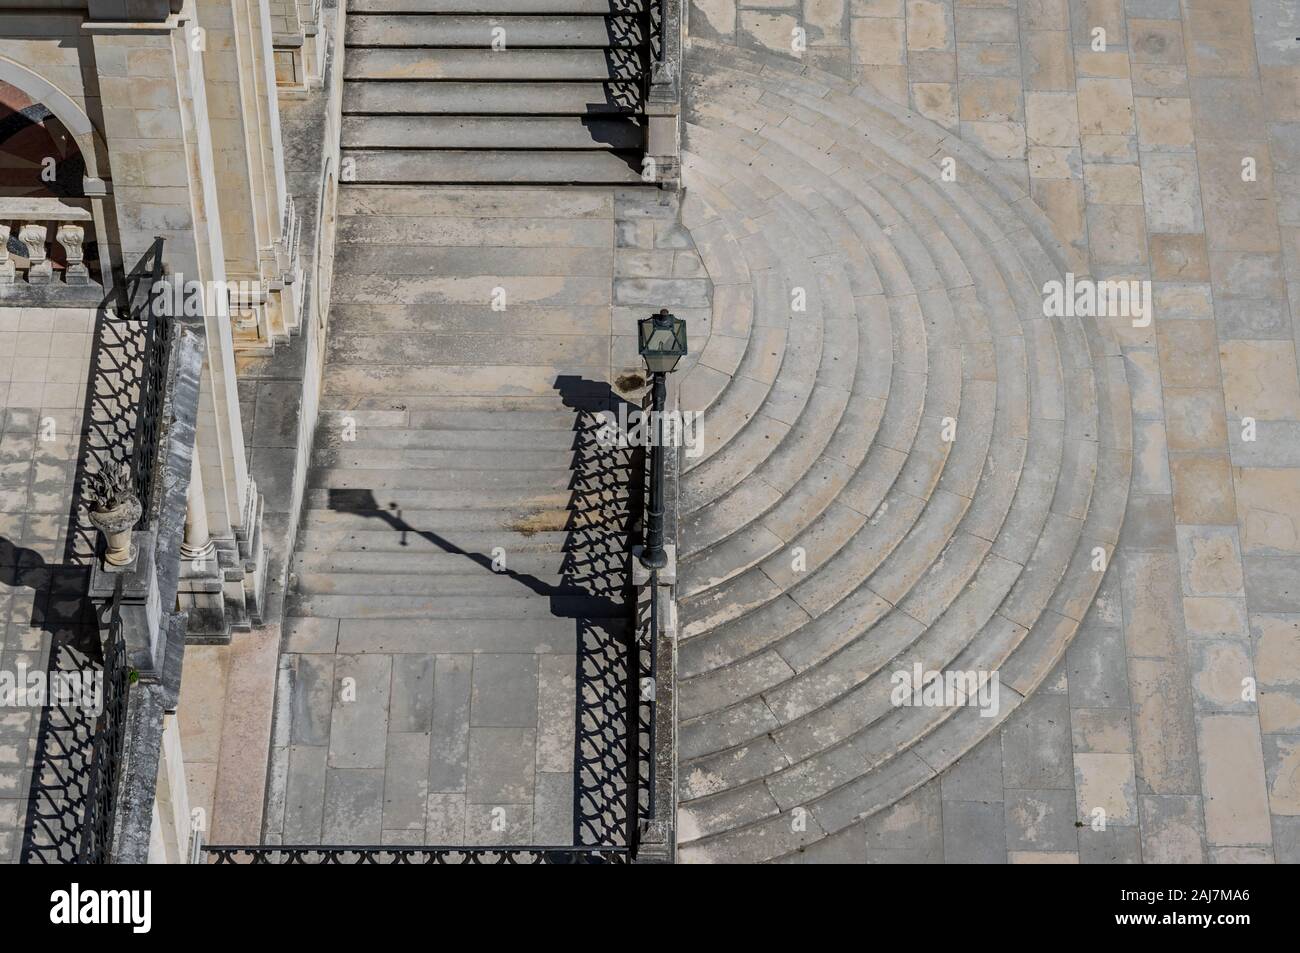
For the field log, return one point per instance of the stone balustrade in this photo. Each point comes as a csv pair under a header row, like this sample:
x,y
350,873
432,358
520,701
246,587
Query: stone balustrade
x,y
30,228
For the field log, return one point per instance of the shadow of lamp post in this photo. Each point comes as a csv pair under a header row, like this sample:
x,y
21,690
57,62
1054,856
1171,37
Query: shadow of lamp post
x,y
661,339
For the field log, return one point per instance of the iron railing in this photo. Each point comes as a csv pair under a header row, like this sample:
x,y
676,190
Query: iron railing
x,y
107,743
78,750
143,288
615,731
271,854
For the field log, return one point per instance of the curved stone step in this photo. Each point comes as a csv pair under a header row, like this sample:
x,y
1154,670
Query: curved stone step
x,y
806,720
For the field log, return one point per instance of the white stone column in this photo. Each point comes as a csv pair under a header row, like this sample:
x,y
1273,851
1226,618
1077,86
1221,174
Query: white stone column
x,y
198,545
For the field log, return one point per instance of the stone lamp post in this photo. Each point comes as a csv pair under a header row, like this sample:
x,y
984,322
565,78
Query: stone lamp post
x,y
114,510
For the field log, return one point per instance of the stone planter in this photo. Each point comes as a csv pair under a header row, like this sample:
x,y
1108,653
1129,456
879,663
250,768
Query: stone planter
x,y
117,525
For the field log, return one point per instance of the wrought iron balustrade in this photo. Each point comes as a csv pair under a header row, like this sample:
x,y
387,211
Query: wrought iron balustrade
x,y
79,749
340,855
144,288
107,742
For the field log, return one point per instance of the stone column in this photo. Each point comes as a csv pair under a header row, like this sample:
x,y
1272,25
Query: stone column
x,y
198,545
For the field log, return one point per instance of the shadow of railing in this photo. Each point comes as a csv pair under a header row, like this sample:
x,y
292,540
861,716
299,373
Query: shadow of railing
x,y
594,590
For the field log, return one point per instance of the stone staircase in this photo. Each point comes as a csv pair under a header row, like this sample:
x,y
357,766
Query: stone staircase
x,y
495,91
462,529
916,468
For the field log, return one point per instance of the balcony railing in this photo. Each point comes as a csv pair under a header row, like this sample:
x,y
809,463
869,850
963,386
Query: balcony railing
x,y
80,750
43,244
107,742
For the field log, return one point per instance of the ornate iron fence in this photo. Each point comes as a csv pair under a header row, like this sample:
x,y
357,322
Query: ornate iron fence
x,y
270,854
144,288
106,745
78,750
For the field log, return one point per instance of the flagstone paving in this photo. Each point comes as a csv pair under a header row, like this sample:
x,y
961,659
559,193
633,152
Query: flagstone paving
x,y
907,462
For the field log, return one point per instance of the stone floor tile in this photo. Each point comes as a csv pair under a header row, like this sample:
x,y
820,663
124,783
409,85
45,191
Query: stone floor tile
x,y
1276,640
1164,731
1040,821
990,99
501,766
1150,458
553,809
1042,857
929,26
1101,730
1203,489
1210,561
1232,770
1150,590
1268,502
1212,618
1156,41
1282,767
406,781
504,690
1125,231
1047,61
1096,665
359,720
1272,583
1171,193
1222,676
411,706
910,830
445,820
1105,783
449,739
1194,419
1173,830
1286,839
305,795
312,699
1036,750
973,832
1105,107
1259,379
1113,845
354,801
977,775
493,825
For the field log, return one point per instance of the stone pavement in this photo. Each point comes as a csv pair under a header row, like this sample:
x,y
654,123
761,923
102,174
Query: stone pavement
x,y
43,358
832,535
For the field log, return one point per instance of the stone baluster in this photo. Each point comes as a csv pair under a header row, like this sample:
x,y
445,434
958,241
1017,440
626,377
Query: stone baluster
x,y
6,263
33,236
72,238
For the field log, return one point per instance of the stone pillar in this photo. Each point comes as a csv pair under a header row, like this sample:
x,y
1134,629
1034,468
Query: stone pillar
x,y
664,99
198,545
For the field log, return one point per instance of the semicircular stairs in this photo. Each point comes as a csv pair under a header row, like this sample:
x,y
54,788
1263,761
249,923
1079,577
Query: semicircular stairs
x,y
917,468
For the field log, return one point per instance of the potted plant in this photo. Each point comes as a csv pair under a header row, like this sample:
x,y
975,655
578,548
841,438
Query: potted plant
x,y
114,510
